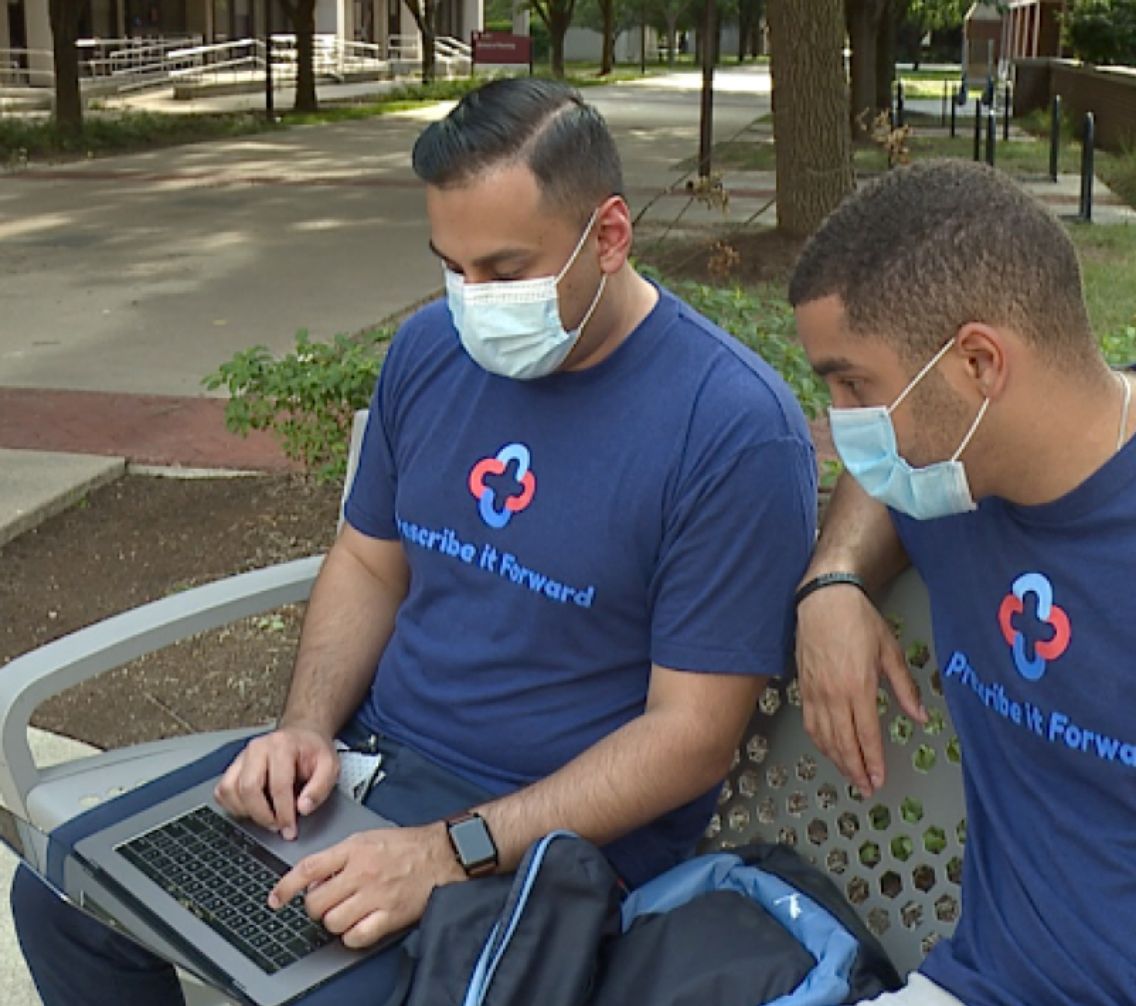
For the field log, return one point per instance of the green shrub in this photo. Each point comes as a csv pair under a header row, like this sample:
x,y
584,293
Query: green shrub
x,y
1119,348
1102,31
307,397
24,139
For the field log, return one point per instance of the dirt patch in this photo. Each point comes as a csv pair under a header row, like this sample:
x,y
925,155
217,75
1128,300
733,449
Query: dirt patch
x,y
143,538
759,254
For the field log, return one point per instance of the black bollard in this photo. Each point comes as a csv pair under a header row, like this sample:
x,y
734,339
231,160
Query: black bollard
x,y
1054,137
954,115
899,104
991,134
978,129
269,86
1007,111
1088,147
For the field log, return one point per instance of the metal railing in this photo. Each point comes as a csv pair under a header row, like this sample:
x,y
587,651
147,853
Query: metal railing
x,y
128,64
453,56
21,68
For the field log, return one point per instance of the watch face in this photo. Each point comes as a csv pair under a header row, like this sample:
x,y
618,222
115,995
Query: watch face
x,y
472,842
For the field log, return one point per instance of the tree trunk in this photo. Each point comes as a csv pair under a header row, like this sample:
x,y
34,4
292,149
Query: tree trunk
x,y
607,57
559,20
863,17
885,55
64,17
810,112
743,30
429,62
303,15
672,36
425,17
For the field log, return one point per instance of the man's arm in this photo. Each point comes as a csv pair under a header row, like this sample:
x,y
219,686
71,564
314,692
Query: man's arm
x,y
843,643
379,881
679,748
349,620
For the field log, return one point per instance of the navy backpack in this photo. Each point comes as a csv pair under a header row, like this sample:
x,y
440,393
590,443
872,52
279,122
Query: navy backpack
x,y
755,926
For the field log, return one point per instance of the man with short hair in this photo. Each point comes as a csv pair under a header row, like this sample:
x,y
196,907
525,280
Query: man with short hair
x,y
568,557
987,442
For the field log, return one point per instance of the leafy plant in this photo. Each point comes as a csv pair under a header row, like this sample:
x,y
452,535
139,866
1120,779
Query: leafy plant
x,y
307,398
1119,348
1102,31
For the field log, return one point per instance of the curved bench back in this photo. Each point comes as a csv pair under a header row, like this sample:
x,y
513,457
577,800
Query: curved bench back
x,y
896,856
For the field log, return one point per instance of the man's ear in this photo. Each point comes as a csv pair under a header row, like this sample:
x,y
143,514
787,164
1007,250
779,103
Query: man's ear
x,y
984,353
614,233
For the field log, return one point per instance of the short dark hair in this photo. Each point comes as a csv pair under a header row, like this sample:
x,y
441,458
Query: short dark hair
x,y
921,251
543,124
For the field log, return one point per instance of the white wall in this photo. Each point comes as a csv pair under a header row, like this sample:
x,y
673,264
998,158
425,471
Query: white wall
x,y
39,37
329,19
586,44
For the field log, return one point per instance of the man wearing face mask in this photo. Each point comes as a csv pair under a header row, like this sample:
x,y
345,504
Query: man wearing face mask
x,y
568,560
988,443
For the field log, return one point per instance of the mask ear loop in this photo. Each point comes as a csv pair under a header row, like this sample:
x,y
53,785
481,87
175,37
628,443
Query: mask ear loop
x,y
571,261
919,377
595,303
579,244
973,429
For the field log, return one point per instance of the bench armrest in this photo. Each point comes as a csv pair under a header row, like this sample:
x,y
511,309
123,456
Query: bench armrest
x,y
29,679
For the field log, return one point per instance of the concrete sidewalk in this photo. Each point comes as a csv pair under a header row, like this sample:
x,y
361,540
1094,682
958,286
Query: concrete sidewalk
x,y
132,277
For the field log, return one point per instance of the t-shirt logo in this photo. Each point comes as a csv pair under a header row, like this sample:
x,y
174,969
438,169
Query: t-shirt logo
x,y
503,485
1035,628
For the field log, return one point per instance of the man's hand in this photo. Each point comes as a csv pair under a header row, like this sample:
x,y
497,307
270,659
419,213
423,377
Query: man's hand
x,y
373,883
843,647
291,770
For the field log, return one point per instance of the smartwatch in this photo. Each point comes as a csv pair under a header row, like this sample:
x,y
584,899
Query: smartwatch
x,y
473,845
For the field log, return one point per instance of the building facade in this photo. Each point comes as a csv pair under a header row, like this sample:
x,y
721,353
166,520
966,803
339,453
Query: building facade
x,y
24,24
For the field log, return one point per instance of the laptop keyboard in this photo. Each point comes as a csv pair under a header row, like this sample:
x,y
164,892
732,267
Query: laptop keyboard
x,y
223,875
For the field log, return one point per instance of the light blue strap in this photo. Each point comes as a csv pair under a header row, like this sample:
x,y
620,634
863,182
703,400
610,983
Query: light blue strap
x,y
832,946
498,942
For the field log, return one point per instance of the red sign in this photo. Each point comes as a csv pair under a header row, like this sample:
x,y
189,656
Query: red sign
x,y
500,47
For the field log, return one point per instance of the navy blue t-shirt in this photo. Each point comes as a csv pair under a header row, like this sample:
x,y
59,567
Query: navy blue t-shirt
x,y
1035,627
564,533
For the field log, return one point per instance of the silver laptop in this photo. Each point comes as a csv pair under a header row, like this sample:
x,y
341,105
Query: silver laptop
x,y
189,882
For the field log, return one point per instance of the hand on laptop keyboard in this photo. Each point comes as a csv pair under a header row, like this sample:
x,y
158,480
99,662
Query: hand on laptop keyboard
x,y
374,883
280,777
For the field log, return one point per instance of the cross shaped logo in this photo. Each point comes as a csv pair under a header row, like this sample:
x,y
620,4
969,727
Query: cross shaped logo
x,y
503,485
1035,629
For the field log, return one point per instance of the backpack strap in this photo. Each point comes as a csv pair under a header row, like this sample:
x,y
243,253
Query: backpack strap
x,y
829,942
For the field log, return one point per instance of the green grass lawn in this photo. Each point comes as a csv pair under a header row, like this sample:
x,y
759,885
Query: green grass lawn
x,y
1108,261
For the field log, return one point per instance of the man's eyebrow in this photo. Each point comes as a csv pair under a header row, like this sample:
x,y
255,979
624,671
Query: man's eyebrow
x,y
833,365
488,261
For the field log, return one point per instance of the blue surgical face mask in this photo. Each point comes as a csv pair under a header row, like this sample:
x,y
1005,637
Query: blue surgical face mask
x,y
513,327
865,440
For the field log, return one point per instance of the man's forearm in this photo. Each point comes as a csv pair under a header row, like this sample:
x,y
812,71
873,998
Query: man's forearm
x,y
349,620
650,766
859,537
